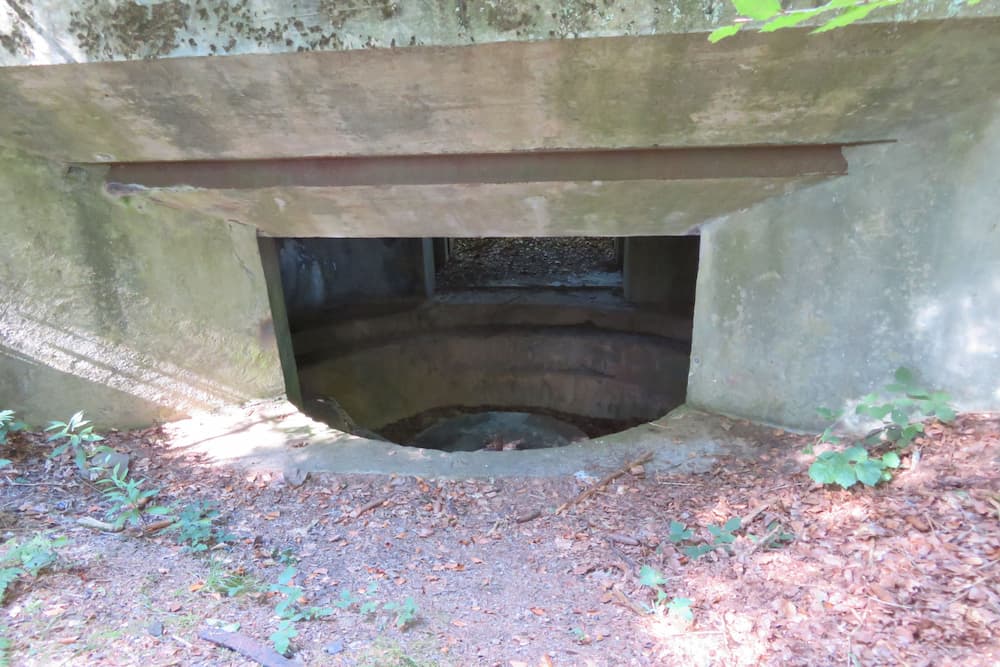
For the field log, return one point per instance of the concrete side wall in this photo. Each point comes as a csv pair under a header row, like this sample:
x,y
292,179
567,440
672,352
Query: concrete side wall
x,y
319,274
661,269
816,298
127,312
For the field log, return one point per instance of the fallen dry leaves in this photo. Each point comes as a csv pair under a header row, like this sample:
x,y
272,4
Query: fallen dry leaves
x,y
903,574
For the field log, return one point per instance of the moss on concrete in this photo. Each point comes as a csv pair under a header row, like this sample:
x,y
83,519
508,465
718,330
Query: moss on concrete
x,y
129,314
139,29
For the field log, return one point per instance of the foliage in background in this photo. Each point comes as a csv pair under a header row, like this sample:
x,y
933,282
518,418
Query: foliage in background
x,y
675,607
902,409
77,435
8,425
768,15
404,613
196,529
26,559
289,611
128,499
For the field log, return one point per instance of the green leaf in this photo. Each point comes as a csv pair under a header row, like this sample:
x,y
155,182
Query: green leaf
x,y
286,576
696,551
822,470
855,453
945,414
828,414
721,33
649,576
732,524
890,460
761,10
903,375
900,417
681,608
869,473
678,532
789,20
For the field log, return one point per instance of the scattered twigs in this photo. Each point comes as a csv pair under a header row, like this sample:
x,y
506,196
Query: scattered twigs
x,y
887,603
157,526
95,524
622,539
247,647
623,600
764,541
367,507
754,513
528,516
587,493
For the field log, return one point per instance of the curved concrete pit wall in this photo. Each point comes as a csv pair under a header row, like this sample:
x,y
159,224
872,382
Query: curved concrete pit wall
x,y
574,356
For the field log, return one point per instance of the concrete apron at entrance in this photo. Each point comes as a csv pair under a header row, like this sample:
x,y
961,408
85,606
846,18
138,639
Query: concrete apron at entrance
x,y
275,436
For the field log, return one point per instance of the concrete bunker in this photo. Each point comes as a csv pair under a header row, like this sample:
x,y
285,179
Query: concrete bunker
x,y
504,351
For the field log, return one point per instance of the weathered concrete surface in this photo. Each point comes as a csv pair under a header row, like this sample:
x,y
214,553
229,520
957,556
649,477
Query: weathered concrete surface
x,y
319,275
851,85
518,209
815,299
661,269
561,357
127,312
42,32
275,436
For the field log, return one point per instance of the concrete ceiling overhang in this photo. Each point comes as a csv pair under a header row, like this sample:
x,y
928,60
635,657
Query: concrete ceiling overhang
x,y
627,192
677,90
786,89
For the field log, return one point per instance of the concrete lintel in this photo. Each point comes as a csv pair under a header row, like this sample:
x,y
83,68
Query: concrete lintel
x,y
532,167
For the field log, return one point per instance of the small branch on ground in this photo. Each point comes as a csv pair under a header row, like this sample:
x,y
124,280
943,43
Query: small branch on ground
x,y
754,513
247,647
95,524
587,493
623,600
368,507
157,526
622,539
528,516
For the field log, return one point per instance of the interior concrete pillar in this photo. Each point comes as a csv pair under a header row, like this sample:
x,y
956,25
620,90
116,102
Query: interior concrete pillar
x,y
661,269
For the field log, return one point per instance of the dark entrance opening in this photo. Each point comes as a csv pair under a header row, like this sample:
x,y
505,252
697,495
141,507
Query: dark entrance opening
x,y
492,343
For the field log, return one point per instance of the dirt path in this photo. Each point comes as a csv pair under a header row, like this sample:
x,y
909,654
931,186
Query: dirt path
x,y
904,574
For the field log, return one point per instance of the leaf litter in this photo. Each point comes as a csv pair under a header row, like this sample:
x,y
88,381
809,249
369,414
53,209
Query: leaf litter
x,y
906,573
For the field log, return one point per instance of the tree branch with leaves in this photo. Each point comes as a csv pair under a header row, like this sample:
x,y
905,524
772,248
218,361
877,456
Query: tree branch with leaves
x,y
768,15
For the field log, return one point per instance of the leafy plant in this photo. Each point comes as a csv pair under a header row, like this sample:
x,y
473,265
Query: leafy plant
x,y
196,529
405,611
676,607
770,16
902,411
77,436
722,536
852,465
29,558
228,582
9,425
128,499
289,611
678,532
